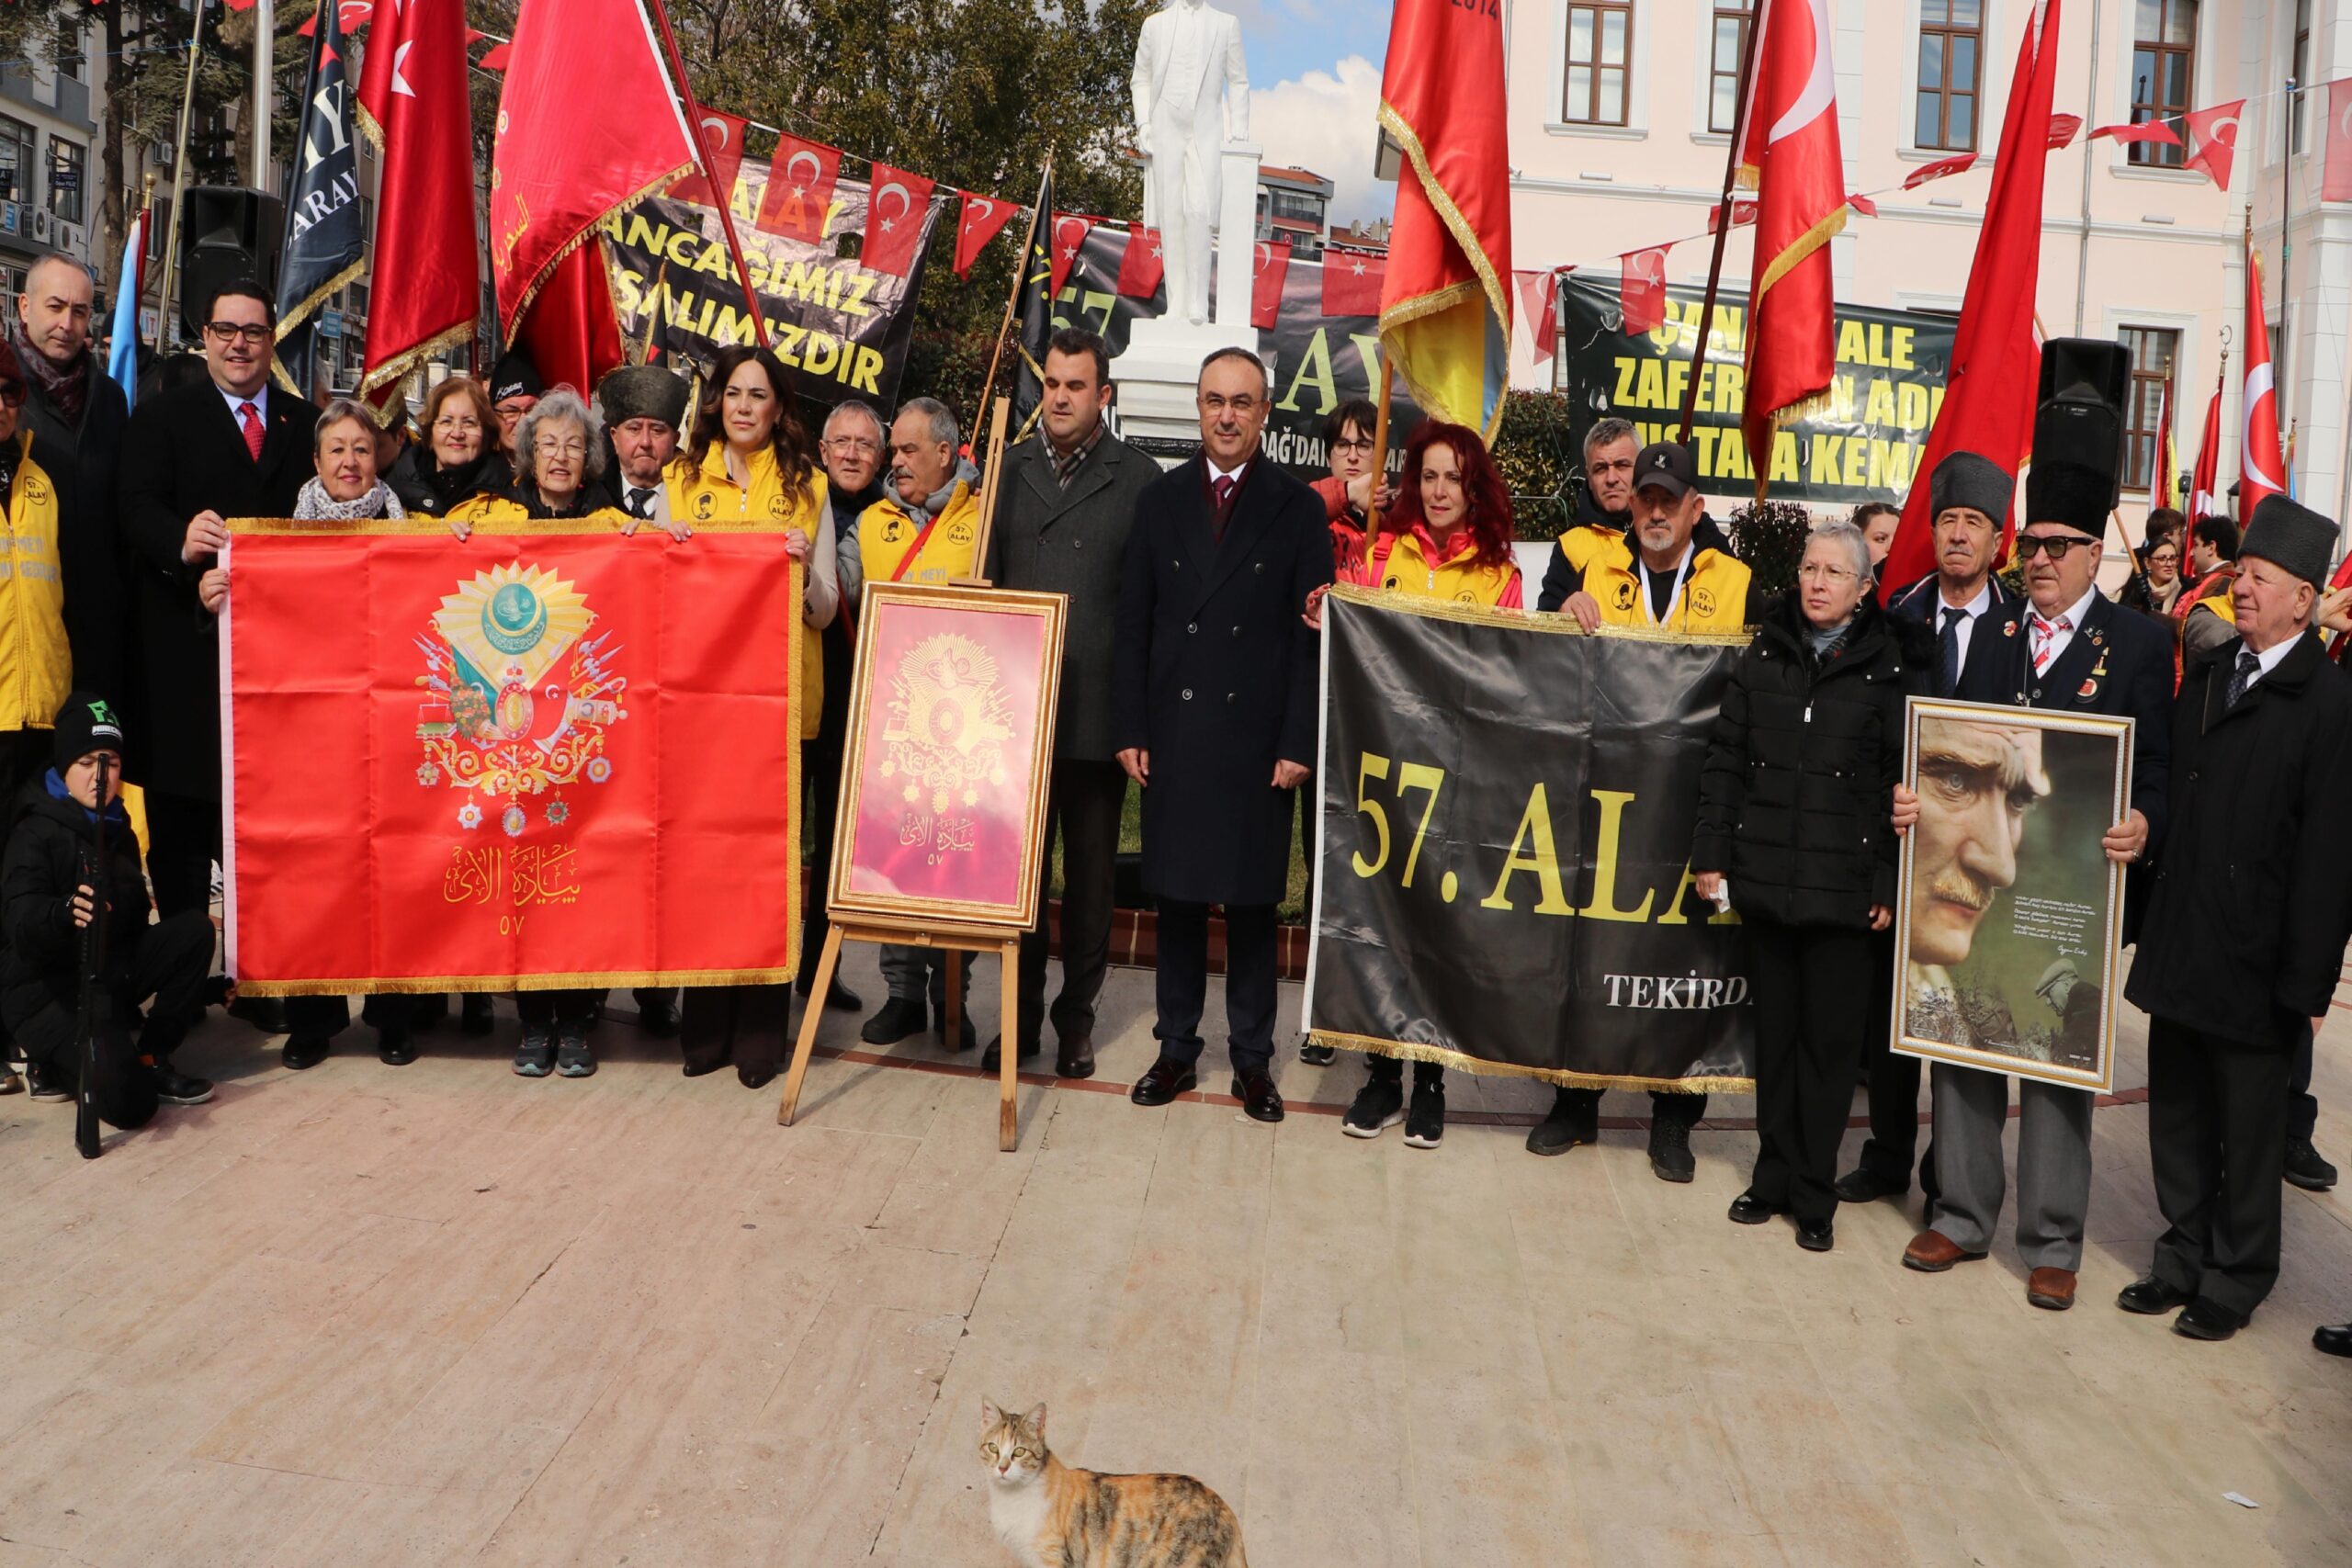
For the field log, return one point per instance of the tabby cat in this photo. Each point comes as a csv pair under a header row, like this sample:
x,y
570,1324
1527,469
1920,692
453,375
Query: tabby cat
x,y
1054,1517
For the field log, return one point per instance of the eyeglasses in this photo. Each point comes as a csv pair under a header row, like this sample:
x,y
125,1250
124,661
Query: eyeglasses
x,y
858,444
229,331
458,422
12,394
1363,444
552,446
2057,545
1821,571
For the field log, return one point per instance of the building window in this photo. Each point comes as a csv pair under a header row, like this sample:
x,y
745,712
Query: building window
x,y
66,179
2152,350
1951,70
16,160
2302,88
2164,64
1733,18
1601,52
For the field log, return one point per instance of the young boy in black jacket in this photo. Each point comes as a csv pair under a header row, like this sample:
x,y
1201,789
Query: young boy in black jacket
x,y
48,886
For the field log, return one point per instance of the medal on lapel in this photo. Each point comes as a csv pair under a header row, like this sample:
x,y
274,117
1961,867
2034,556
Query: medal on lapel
x,y
2090,684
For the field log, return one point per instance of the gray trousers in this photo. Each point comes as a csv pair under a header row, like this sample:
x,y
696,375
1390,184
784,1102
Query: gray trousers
x,y
921,972
2053,1164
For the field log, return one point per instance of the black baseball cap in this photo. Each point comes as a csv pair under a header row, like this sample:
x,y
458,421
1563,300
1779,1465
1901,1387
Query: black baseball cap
x,y
1667,465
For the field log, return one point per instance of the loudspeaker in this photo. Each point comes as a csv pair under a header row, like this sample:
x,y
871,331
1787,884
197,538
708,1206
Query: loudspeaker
x,y
2078,416
226,233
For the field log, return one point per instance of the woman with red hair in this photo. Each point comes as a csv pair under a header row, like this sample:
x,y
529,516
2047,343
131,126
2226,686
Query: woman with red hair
x,y
1448,538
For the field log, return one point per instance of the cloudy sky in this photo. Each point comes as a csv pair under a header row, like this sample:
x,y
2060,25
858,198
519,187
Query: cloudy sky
x,y
1315,92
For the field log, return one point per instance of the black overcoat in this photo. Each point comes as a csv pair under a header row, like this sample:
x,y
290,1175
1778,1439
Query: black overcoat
x,y
2252,895
184,454
1216,675
1073,541
1797,794
83,456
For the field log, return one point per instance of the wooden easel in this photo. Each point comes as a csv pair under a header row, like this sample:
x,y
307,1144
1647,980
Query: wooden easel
x,y
955,941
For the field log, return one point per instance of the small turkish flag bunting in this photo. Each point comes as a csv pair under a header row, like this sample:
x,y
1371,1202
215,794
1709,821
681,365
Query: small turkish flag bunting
x,y
1141,267
2216,130
1069,236
982,219
1538,296
897,203
1266,283
801,176
1352,282
1940,169
2151,130
1641,292
2062,128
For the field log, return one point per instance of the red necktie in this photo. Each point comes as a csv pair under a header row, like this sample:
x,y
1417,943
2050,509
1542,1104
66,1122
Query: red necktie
x,y
250,418
2044,634
1222,488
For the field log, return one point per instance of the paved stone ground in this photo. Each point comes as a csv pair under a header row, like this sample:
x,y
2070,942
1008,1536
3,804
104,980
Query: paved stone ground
x,y
445,1314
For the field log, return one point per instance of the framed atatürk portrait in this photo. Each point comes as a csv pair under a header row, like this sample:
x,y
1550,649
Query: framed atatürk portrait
x,y
951,743
2009,915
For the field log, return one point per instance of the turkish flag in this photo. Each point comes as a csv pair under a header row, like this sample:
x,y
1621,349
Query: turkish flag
x,y
724,134
349,15
1141,265
569,330
896,205
2216,130
1941,168
2205,486
801,176
2062,128
1862,204
1352,282
1069,236
1266,283
1538,306
1743,213
2336,186
517,733
982,218
2154,131
2260,473
1641,289
495,56
564,157
425,263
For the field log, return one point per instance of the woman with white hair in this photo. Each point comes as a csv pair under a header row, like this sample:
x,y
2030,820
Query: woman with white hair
x,y
559,455
1795,808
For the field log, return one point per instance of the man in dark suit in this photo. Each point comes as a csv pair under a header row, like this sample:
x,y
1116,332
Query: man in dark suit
x,y
2068,649
1064,509
1969,499
231,446
1214,705
2246,921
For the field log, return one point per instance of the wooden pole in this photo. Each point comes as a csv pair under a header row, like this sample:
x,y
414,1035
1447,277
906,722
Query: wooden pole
x,y
1379,454
179,177
1722,225
991,485
1039,216
702,156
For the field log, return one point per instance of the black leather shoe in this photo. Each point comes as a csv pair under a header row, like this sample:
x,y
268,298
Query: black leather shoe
x,y
1316,1056
901,1018
1863,1185
2306,1167
1258,1095
2202,1319
658,1017
1670,1150
993,1058
1748,1209
301,1051
176,1088
1162,1082
1076,1057
1575,1118
756,1077
1816,1235
395,1050
265,1013
2334,1339
2151,1296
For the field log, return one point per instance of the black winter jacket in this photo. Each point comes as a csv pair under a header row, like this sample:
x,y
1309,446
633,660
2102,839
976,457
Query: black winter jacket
x,y
1798,788
48,854
428,489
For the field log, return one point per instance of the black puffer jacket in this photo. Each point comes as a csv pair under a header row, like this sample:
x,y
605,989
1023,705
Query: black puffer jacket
x,y
1799,782
428,489
49,848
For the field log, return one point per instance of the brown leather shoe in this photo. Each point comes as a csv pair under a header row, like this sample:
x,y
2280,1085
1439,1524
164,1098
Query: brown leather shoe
x,y
1932,1252
1076,1057
2050,1288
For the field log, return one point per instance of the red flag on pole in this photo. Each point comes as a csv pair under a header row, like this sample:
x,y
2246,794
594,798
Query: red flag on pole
x,y
801,176
1862,204
1789,153
2204,489
495,56
1352,282
1995,361
350,15
980,221
1142,266
563,159
2062,128
2147,131
1445,304
571,332
724,134
2260,473
1266,283
1539,308
2216,130
1960,163
2337,184
896,205
424,261
1069,237
1641,289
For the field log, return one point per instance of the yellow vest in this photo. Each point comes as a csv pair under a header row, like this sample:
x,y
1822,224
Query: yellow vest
x,y
1583,542
1406,568
1713,596
36,661
886,532
2221,604
705,492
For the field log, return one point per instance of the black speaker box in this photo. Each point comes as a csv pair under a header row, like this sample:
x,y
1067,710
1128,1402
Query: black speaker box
x,y
2078,416
227,235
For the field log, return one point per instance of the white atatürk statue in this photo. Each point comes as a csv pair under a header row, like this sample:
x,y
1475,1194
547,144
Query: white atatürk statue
x,y
1186,61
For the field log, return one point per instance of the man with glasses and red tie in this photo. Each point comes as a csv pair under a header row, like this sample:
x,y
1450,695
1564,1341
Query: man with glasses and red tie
x,y
2070,649
231,446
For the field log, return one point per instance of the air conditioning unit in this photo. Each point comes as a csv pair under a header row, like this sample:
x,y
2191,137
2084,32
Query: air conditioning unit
x,y
40,225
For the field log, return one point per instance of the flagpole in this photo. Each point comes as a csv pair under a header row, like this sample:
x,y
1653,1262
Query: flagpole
x,y
726,198
1013,300
179,177
1723,224
2285,251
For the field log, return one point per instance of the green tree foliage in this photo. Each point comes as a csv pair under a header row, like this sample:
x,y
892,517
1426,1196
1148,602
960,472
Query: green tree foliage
x,y
1769,537
1536,451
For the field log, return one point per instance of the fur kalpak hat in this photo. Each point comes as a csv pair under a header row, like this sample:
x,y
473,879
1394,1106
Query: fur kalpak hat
x,y
2291,537
1964,479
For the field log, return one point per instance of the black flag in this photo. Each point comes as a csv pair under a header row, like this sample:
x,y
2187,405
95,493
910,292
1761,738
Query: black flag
x,y
326,239
1036,310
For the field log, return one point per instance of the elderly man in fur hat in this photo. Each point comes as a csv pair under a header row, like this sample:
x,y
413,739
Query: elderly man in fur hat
x,y
2245,926
643,407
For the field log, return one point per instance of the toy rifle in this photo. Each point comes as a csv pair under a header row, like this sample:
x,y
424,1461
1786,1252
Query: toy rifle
x,y
87,1020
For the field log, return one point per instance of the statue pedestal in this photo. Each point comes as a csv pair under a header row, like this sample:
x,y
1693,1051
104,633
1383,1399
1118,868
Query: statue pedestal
x,y
1159,372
